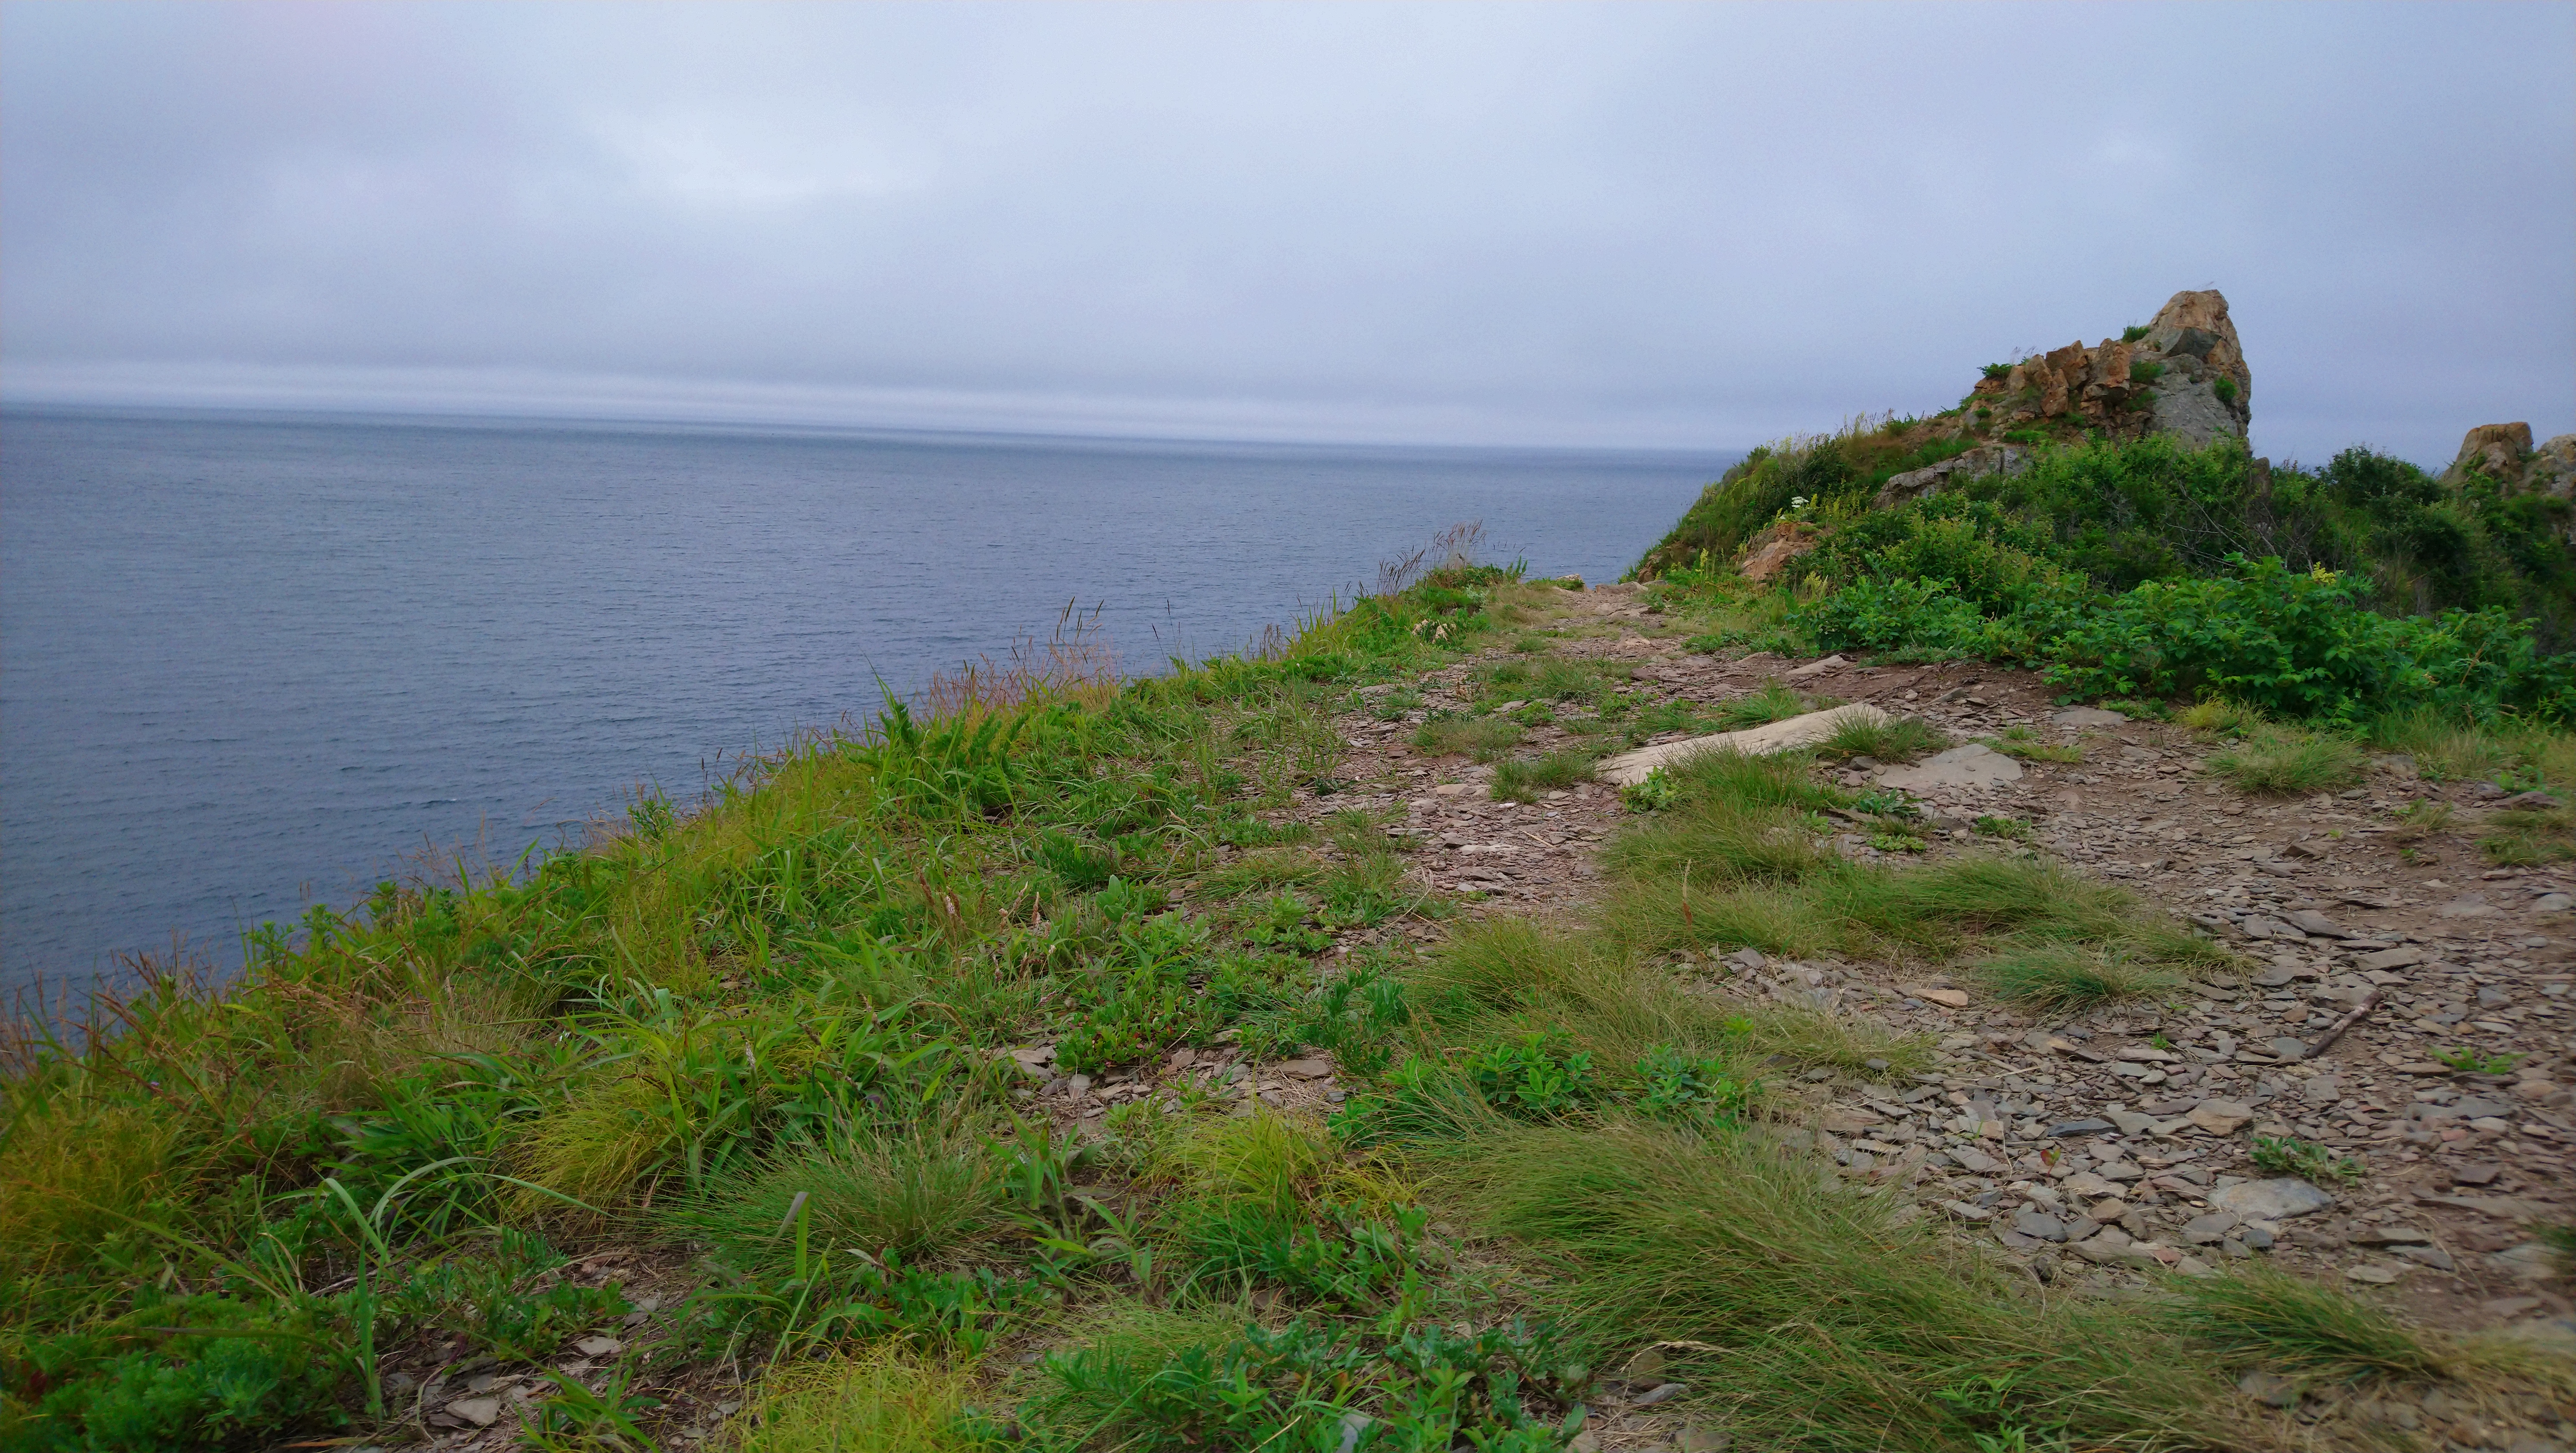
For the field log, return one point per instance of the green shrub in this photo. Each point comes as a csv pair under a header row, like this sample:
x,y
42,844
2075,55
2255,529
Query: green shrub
x,y
2145,371
1922,619
177,1374
2305,646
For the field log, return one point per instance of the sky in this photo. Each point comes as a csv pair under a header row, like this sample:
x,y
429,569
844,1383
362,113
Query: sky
x,y
1697,226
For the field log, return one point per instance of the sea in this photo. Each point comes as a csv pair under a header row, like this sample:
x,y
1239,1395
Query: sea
x,y
254,662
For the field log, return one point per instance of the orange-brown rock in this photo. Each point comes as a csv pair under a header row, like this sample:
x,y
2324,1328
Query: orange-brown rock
x,y
1769,553
2494,450
2195,384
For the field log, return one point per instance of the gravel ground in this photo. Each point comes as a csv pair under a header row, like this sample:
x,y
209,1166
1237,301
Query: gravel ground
x,y
2098,1147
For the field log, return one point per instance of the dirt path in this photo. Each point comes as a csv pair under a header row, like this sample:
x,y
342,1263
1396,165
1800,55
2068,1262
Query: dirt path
x,y
2096,1145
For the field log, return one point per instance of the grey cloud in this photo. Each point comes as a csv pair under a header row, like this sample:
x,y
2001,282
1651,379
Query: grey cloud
x,y
1559,224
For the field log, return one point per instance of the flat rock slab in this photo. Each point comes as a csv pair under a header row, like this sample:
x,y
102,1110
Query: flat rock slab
x,y
2271,1200
2087,716
1974,765
1630,768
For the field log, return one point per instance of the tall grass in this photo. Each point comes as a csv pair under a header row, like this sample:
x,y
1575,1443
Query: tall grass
x,y
2281,761
1828,1320
918,1193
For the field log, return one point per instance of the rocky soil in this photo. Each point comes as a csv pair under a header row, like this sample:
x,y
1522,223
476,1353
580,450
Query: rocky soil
x,y
2097,1147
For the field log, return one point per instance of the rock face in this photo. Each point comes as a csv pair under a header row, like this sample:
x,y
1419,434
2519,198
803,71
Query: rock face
x,y
2186,377
2504,453
1977,463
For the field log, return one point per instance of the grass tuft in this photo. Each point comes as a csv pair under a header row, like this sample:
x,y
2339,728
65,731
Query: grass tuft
x,y
1523,781
2283,1321
1841,1325
2276,761
1484,738
1773,702
881,1398
2060,977
919,1193
1898,739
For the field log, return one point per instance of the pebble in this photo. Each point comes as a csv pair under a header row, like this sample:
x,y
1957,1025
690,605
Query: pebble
x,y
1663,1392
481,1412
2039,1226
2271,1200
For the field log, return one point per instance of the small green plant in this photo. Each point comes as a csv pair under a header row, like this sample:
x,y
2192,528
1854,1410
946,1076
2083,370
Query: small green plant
x,y
1534,1075
1657,792
2145,371
503,1302
2290,1156
2528,837
2421,819
2260,1315
1678,1086
2134,332
1888,841
2012,829
2561,1240
1885,802
1286,921
1997,371
582,1418
2225,388
652,816
2464,1060
1397,704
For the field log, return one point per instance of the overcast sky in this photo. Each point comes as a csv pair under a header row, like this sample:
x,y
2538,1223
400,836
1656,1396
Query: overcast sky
x,y
1697,226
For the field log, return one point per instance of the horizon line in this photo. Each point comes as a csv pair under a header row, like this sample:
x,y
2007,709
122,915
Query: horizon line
x,y
538,395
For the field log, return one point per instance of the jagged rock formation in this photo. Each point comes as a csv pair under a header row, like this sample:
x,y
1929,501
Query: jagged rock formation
x,y
2504,453
2185,376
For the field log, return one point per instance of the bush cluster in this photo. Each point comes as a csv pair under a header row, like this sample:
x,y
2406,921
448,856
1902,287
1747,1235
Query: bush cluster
x,y
2147,569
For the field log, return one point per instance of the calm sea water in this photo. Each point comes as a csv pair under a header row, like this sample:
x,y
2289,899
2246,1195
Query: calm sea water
x,y
247,663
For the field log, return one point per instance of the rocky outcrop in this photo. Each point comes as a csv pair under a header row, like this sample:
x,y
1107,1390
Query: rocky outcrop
x,y
2503,453
2185,376
1977,463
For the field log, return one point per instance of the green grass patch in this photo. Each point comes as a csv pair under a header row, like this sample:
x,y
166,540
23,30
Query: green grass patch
x,y
2276,761
1828,1320
1898,739
1523,780
1484,738
2063,978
